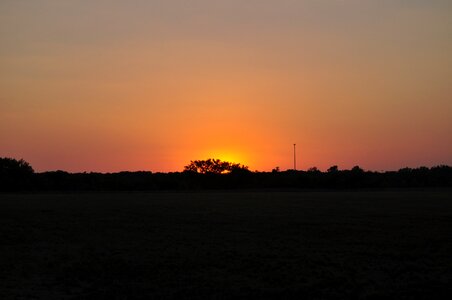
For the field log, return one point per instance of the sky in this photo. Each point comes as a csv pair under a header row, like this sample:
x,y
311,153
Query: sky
x,y
113,85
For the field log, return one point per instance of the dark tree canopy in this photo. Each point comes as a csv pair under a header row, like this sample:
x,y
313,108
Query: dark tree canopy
x,y
333,169
13,167
313,170
15,174
213,166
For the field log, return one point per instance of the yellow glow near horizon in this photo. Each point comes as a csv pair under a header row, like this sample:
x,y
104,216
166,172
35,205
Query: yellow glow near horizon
x,y
225,155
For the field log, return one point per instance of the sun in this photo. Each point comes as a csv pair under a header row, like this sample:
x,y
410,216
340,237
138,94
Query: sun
x,y
226,155
230,158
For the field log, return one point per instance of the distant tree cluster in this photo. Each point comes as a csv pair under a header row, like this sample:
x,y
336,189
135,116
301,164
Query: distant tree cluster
x,y
18,175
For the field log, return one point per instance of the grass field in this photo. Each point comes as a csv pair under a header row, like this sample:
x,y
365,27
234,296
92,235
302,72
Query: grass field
x,y
222,245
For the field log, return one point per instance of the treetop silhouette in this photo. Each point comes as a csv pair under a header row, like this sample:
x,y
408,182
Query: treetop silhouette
x,y
14,167
213,166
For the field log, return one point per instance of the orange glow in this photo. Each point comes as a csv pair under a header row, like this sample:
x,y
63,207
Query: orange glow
x,y
153,85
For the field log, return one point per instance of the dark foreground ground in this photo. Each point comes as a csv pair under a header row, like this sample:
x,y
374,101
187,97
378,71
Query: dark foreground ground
x,y
222,245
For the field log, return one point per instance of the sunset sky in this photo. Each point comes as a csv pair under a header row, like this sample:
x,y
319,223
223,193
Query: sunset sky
x,y
150,85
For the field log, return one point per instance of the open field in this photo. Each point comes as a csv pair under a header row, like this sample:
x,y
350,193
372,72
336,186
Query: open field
x,y
218,245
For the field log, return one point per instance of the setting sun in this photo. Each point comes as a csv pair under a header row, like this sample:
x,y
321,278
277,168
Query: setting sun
x,y
225,156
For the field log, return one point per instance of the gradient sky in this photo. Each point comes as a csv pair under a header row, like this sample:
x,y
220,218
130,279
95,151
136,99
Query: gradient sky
x,y
150,85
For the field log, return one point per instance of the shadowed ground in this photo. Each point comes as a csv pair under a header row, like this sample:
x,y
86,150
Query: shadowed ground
x,y
360,244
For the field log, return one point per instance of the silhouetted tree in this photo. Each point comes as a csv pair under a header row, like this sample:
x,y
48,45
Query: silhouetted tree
x,y
13,167
213,166
333,169
357,169
15,174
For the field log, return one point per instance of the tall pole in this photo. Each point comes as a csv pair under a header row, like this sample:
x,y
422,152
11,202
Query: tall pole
x,y
294,157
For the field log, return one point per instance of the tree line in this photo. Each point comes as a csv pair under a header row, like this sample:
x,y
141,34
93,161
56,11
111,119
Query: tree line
x,y
18,175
